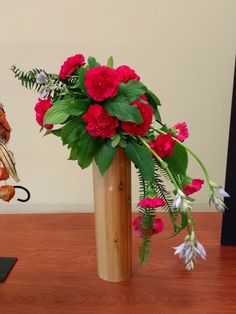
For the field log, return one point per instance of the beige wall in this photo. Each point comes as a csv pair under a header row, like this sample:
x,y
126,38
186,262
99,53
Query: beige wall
x,y
183,50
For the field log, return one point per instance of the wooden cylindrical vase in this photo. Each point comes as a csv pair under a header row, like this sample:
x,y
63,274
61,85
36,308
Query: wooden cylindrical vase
x,y
112,200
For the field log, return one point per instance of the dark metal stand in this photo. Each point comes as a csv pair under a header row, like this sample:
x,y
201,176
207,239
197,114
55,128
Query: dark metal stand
x,y
6,265
228,234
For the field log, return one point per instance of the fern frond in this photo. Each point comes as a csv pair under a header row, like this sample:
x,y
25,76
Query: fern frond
x,y
142,186
27,79
161,189
144,250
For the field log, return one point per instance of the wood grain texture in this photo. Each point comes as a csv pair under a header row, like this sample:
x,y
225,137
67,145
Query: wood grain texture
x,y
56,270
112,201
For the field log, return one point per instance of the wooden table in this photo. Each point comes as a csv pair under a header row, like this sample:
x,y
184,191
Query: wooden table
x,y
56,271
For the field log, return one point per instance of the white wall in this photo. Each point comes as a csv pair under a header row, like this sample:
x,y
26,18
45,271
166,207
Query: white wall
x,y
183,50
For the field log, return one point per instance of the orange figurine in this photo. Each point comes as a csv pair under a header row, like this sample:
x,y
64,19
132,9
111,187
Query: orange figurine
x,y
5,128
7,192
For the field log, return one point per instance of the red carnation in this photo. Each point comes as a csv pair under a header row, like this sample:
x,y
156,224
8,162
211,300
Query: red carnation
x,y
41,108
151,202
142,230
126,74
142,128
99,122
102,83
164,145
182,131
193,187
70,65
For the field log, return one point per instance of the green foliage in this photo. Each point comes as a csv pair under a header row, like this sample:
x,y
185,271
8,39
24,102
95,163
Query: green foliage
x,y
27,79
92,62
87,148
110,62
120,108
105,156
160,188
154,101
144,250
142,159
178,161
132,90
72,131
116,140
56,114
82,72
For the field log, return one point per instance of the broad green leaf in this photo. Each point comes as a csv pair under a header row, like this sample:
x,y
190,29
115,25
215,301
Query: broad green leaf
x,y
157,114
56,114
132,90
74,152
152,98
120,108
115,140
154,101
142,159
72,131
110,62
82,72
76,107
56,132
87,148
92,62
123,143
104,157
178,161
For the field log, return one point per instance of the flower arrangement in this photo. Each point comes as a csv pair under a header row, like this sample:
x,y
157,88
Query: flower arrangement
x,y
95,109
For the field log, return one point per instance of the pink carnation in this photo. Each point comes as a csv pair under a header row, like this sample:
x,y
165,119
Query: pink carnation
x,y
157,225
99,122
126,74
142,230
139,128
149,202
70,65
193,187
182,129
102,83
164,145
41,108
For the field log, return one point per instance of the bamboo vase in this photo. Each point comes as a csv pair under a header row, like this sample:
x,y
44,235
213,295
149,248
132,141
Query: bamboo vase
x,y
112,200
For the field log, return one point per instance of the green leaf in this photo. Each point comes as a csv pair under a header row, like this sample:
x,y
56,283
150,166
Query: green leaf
x,y
72,131
178,161
120,108
154,101
56,114
132,90
142,159
110,62
74,152
92,62
104,157
82,72
115,140
77,107
157,114
152,98
87,148
123,143
56,132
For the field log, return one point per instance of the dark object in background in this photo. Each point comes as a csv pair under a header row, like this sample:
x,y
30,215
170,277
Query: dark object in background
x,y
228,232
6,265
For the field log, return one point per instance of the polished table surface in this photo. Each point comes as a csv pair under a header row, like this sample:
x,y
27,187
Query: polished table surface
x,y
56,270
